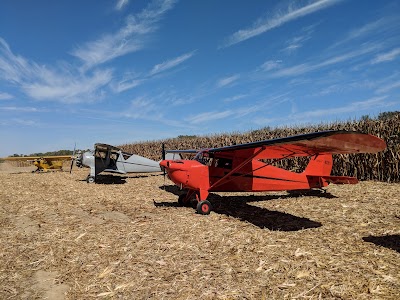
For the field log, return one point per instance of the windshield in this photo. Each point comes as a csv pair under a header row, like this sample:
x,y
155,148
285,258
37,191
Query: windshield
x,y
203,157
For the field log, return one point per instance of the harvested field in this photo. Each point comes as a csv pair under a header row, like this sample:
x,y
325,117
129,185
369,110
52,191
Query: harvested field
x,y
126,238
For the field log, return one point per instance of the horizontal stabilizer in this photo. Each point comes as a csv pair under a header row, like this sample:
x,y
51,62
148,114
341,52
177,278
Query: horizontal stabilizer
x,y
340,179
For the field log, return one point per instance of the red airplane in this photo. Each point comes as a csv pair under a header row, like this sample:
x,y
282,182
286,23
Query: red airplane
x,y
238,168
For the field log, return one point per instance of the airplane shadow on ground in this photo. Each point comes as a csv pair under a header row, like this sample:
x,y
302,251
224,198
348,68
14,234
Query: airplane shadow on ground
x,y
388,241
238,207
118,179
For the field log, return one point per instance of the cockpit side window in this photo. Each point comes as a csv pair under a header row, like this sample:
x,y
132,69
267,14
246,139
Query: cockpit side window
x,y
225,163
204,158
126,155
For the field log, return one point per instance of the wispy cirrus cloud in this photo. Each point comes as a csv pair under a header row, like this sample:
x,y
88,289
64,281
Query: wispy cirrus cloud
x,y
388,87
44,83
171,63
130,38
372,30
149,108
209,116
133,80
126,84
334,113
309,67
350,108
387,56
279,18
22,109
239,112
298,41
69,89
227,80
271,65
6,96
121,4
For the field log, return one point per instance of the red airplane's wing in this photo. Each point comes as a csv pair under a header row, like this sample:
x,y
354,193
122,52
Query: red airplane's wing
x,y
334,142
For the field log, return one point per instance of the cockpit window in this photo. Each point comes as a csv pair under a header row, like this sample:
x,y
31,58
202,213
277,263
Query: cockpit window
x,y
225,163
204,158
126,155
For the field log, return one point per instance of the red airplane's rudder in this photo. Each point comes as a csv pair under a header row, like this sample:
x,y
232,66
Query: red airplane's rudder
x,y
319,165
319,169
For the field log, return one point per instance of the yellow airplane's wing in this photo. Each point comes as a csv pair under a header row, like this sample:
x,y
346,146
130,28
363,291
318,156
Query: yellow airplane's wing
x,y
59,157
48,158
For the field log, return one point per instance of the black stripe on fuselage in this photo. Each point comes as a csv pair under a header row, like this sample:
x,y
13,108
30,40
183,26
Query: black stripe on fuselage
x,y
136,164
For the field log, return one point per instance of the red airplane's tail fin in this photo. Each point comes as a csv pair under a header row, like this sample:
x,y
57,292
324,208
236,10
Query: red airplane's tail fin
x,y
319,165
319,169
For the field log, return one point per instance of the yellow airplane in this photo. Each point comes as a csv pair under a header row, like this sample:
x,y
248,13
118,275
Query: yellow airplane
x,y
43,163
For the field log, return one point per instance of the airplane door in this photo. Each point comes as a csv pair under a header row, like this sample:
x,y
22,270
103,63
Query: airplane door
x,y
121,163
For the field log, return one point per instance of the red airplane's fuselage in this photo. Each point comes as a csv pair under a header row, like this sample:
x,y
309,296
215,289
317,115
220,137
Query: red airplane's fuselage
x,y
242,168
223,175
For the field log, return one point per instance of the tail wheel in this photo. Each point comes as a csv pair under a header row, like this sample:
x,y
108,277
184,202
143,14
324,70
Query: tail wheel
x,y
204,207
90,179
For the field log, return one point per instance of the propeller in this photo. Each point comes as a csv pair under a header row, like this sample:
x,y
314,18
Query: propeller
x,y
163,158
72,159
163,151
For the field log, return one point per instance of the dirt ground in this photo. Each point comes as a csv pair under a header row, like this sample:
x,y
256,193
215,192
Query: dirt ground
x,y
127,238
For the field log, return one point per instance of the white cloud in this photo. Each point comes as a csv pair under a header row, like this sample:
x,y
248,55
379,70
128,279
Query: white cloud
x,y
385,57
129,38
235,98
350,108
209,116
298,41
271,64
120,4
43,83
388,87
126,85
227,80
143,108
6,96
371,31
22,109
321,114
169,64
308,67
71,89
264,25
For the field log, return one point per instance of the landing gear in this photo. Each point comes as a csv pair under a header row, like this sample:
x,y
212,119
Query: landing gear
x,y
204,207
182,200
90,179
187,200
192,199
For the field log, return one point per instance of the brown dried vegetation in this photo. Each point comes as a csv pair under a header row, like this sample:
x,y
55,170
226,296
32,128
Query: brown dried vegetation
x,y
62,238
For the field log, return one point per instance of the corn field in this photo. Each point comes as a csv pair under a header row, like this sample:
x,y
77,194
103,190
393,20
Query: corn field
x,y
383,166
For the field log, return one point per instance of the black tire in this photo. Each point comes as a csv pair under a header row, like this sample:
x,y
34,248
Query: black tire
x,y
204,207
91,179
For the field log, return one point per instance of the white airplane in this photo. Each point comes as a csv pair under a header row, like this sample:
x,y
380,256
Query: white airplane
x,y
107,158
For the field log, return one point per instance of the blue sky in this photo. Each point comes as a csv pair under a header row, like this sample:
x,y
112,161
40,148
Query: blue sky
x,y
128,70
